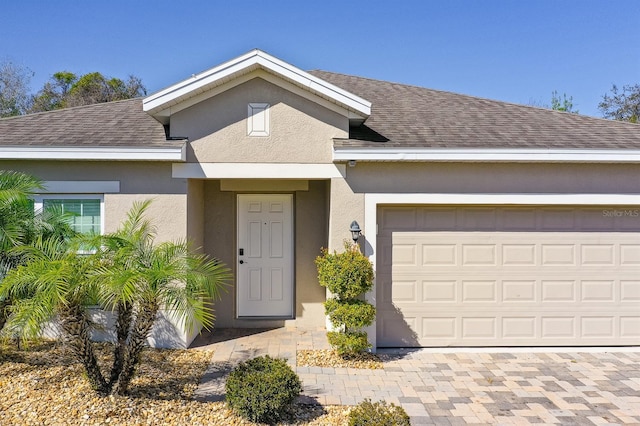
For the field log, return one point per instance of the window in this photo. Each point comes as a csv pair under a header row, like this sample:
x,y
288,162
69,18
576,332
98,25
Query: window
x,y
86,210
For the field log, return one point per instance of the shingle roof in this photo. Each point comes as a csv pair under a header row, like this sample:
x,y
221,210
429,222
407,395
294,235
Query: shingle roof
x,y
112,124
404,116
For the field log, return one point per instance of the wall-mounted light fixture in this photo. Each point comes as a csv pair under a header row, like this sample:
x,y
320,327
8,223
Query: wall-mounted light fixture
x,y
355,231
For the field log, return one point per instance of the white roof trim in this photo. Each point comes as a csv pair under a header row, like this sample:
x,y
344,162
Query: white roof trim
x,y
248,62
513,155
94,153
258,171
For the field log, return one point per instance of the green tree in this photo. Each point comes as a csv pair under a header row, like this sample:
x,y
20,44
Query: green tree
x,y
54,93
565,104
129,274
14,89
66,89
622,105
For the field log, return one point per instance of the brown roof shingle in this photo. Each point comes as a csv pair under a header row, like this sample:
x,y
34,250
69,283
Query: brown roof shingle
x,y
111,124
404,116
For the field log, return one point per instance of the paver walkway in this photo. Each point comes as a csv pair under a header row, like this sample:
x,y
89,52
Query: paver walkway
x,y
583,388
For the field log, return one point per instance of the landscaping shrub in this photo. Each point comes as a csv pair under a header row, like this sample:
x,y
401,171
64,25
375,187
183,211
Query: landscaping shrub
x,y
347,275
379,414
348,343
263,389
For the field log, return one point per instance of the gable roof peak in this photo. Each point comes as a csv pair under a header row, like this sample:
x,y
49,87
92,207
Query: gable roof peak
x,y
159,104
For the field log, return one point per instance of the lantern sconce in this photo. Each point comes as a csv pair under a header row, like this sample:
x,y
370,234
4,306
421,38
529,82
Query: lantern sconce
x,y
355,231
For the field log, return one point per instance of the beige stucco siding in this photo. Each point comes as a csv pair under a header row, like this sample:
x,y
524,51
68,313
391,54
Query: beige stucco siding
x,y
138,181
195,213
301,131
514,178
311,223
345,207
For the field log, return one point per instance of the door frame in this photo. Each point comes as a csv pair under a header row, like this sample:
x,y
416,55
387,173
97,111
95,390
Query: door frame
x,y
237,256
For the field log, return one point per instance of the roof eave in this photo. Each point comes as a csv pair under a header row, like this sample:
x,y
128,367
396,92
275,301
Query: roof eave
x,y
487,155
177,153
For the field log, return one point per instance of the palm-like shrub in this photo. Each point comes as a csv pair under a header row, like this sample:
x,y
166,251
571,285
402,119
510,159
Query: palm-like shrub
x,y
127,273
347,275
20,225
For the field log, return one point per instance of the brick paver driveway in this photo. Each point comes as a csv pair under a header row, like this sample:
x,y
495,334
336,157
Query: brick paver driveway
x,y
556,387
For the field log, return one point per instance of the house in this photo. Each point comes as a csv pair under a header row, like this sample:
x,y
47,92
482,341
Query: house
x,y
488,223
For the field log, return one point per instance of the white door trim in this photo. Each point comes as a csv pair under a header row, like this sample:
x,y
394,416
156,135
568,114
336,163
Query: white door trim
x,y
265,278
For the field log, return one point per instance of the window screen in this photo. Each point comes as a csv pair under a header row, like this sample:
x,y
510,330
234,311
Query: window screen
x,y
85,213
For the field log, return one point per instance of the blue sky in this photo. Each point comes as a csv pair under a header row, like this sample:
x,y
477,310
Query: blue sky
x,y
515,51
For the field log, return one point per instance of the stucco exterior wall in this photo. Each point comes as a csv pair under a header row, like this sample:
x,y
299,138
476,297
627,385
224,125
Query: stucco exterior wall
x,y
195,213
138,181
345,206
301,131
310,227
514,178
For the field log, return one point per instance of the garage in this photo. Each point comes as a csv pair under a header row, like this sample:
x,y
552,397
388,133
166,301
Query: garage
x,y
508,276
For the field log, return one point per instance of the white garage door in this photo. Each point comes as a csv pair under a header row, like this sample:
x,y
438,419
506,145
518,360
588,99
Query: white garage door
x,y
508,276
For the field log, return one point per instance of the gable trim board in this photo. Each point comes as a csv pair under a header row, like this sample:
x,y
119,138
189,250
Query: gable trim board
x,y
254,60
94,153
492,155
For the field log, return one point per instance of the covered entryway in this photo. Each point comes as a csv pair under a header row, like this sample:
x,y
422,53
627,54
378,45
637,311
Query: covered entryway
x,y
265,255
508,276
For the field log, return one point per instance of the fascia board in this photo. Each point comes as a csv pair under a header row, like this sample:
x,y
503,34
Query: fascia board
x,y
489,155
258,171
94,153
246,63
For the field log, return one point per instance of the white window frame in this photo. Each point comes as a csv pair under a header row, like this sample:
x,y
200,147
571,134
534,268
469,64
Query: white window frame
x,y
38,202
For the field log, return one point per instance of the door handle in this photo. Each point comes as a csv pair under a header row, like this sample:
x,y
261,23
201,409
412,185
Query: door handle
x,y
241,262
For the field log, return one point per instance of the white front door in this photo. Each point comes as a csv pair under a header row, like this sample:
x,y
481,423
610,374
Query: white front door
x,y
265,255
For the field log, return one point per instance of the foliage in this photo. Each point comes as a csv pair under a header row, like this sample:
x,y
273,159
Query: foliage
x,y
262,389
353,313
128,274
347,274
20,225
14,89
378,413
348,343
565,104
622,105
65,89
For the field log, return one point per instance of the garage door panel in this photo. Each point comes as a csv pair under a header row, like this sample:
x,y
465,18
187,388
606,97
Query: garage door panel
x,y
500,287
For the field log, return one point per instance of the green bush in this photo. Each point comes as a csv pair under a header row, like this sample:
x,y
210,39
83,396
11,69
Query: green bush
x,y
351,312
348,343
262,389
347,274
379,414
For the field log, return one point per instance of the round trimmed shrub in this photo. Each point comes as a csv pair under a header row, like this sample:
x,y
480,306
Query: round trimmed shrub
x,y
347,274
348,343
352,313
262,389
378,413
